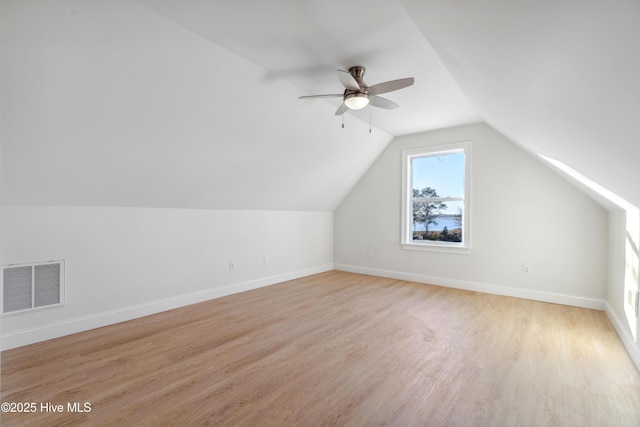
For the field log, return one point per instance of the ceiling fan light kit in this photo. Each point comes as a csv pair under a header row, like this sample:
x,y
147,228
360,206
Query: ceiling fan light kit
x,y
357,101
358,95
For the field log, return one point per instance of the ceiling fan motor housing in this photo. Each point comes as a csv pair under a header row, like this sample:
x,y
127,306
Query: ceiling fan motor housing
x,y
358,73
357,99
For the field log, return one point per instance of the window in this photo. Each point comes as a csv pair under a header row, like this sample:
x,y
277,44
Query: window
x,y
30,286
435,198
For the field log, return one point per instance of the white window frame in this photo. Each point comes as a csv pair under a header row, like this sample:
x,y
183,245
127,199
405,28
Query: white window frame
x,y
406,238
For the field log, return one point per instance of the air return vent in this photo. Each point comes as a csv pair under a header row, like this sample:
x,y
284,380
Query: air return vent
x,y
31,286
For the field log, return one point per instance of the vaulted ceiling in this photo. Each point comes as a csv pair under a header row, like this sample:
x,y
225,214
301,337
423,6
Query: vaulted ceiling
x,y
560,78
194,103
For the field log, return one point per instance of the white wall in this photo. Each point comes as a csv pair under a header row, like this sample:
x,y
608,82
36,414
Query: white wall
x,y
126,262
624,262
521,212
617,264
623,256
617,258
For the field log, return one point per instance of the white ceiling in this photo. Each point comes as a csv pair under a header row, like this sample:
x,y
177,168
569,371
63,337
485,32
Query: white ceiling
x,y
306,41
559,78
146,100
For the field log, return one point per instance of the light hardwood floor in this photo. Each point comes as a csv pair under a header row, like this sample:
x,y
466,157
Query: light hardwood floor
x,y
337,349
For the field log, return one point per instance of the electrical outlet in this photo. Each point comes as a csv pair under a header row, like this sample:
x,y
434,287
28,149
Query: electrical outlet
x,y
526,269
266,260
232,266
369,253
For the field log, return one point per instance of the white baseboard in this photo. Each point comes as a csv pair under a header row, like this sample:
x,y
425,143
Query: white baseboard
x,y
85,323
55,330
625,336
593,303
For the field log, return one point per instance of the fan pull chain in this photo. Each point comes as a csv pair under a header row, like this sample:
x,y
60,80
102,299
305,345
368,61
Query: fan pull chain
x,y
343,121
369,119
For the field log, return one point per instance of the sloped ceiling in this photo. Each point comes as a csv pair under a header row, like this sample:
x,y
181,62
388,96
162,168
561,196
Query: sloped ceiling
x,y
560,78
304,42
193,103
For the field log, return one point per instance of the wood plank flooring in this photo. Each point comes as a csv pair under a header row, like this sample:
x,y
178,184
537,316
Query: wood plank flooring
x,y
336,349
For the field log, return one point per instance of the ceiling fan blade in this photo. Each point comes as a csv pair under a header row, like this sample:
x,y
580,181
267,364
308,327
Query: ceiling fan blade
x,y
347,80
331,95
380,102
390,86
342,109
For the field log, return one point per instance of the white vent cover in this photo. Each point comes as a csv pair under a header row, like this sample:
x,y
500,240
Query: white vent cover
x,y
31,286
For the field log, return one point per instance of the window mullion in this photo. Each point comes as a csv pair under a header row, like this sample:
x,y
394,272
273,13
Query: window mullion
x,y
437,199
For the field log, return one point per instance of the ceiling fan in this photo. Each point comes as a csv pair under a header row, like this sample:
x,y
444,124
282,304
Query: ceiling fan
x,y
358,95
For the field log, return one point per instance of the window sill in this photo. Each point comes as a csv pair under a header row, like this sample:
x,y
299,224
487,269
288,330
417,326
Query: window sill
x,y
435,247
